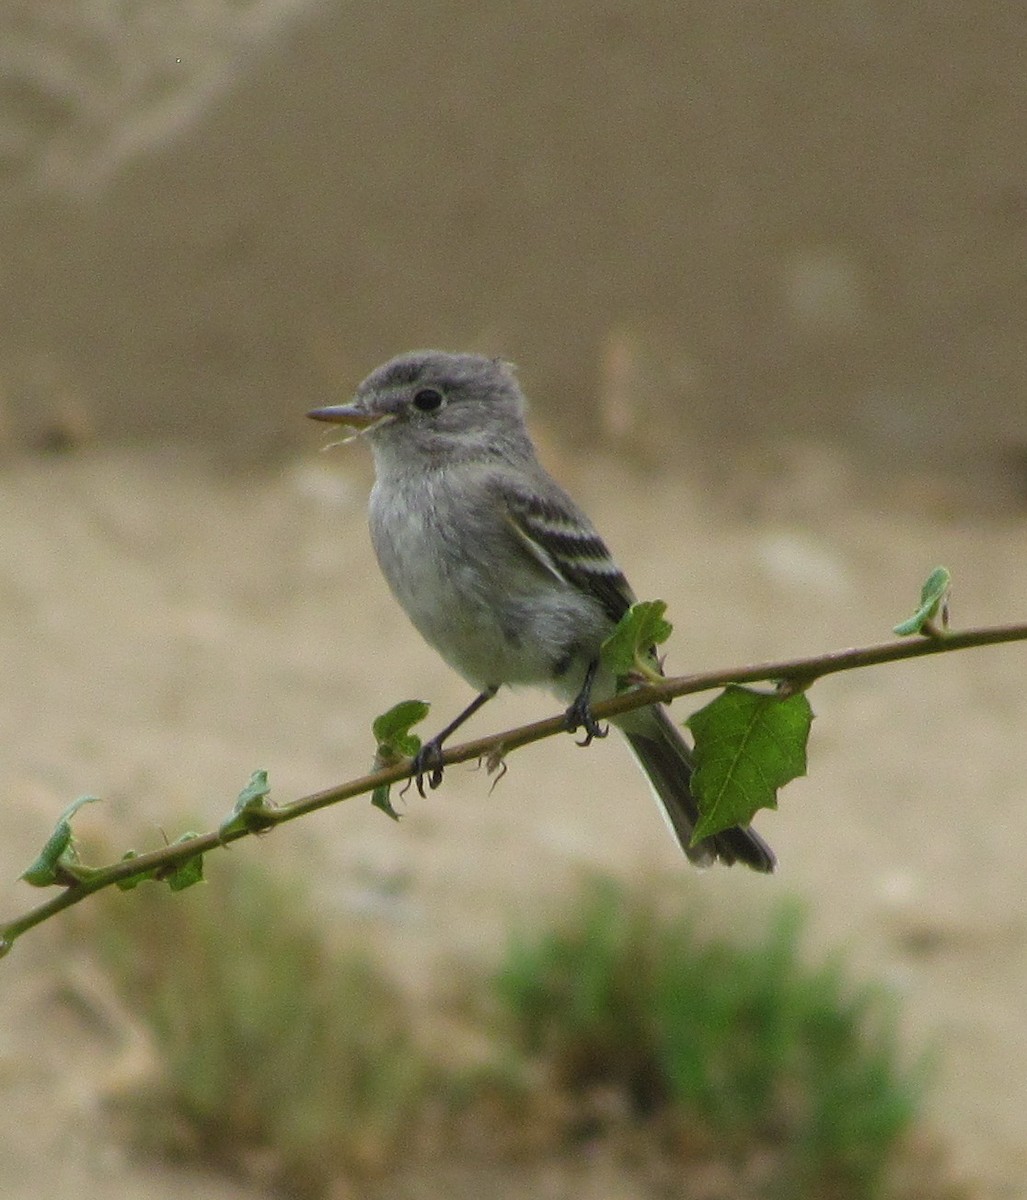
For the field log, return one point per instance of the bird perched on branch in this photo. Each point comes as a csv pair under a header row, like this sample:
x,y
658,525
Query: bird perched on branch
x,y
499,570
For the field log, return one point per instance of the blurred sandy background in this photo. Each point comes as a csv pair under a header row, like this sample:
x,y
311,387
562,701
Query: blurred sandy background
x,y
763,267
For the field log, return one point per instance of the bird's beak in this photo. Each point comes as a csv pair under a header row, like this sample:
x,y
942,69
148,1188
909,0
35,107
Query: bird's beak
x,y
358,421
345,414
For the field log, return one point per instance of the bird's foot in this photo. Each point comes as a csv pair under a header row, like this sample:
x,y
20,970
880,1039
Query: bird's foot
x,y
427,765
579,716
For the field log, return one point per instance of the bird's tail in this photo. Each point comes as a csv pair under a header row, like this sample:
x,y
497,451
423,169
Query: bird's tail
x,y
665,757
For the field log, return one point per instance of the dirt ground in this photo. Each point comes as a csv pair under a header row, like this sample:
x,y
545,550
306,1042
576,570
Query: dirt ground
x,y
167,628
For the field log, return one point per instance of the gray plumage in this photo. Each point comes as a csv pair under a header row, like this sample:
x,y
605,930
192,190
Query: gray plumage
x,y
499,570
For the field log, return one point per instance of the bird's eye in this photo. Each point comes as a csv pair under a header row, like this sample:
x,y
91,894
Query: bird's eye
x,y
427,399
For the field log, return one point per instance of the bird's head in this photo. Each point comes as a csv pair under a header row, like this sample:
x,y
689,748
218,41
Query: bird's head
x,y
437,405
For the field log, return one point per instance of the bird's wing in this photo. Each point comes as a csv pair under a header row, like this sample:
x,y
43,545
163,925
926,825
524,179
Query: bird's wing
x,y
562,539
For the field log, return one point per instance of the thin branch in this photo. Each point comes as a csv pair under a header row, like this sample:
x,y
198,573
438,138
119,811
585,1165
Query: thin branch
x,y
800,672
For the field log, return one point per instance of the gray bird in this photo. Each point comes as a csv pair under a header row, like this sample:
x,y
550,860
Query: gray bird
x,y
499,570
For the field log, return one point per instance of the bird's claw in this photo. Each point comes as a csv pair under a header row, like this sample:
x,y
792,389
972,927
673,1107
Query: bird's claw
x,y
427,764
579,716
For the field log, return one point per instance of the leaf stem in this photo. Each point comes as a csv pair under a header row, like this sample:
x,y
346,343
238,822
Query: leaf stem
x,y
798,672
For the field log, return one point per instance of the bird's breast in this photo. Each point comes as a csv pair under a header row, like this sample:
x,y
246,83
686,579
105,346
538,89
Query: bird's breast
x,y
491,611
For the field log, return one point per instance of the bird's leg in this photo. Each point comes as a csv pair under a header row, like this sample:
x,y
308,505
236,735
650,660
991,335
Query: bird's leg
x,y
428,760
579,715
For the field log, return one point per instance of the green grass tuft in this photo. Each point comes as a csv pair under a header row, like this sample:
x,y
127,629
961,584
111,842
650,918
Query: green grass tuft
x,y
704,1064
744,1047
282,1056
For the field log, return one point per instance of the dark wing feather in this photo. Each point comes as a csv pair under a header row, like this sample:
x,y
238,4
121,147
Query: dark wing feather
x,y
564,541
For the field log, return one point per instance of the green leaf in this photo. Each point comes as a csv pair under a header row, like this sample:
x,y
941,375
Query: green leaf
x,y
133,881
380,799
251,810
253,793
747,745
395,743
56,861
392,731
934,602
628,650
184,874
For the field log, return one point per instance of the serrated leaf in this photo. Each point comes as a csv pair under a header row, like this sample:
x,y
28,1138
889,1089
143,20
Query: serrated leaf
x,y
186,873
392,730
628,650
380,799
251,807
747,745
934,596
48,867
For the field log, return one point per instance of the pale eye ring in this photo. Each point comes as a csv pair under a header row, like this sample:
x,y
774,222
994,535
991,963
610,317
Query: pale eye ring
x,y
428,399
